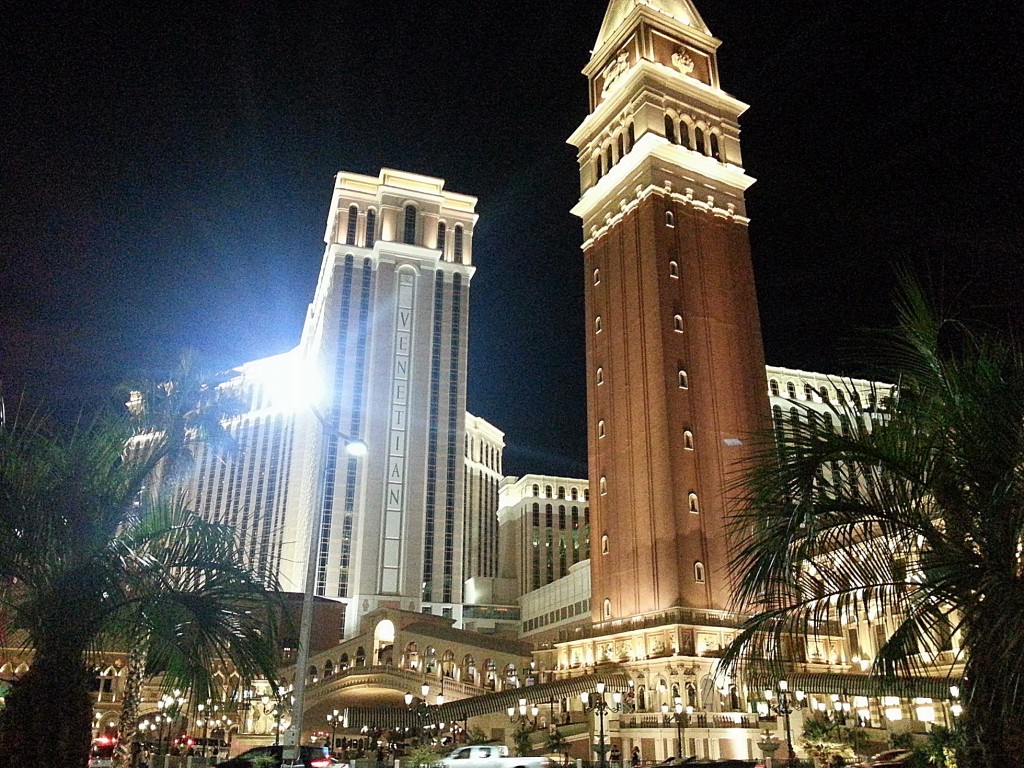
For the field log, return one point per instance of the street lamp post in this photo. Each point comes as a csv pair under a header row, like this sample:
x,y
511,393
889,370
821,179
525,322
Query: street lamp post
x,y
681,716
782,702
599,704
518,715
291,753
422,709
332,722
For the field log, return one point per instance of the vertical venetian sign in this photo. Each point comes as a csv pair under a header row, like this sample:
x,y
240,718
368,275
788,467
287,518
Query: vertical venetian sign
x,y
394,503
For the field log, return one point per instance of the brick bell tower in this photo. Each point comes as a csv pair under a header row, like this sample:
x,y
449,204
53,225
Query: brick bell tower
x,y
676,376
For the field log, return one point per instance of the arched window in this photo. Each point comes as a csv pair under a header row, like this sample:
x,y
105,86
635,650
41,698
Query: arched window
x,y
371,228
597,277
716,151
670,128
698,572
670,219
607,608
622,147
353,220
773,387
598,166
600,376
459,239
561,491
673,269
684,380
597,324
604,544
698,136
688,440
823,392
608,161
409,233
604,486
547,491
442,236
574,494
777,419
600,428
631,135
694,506
808,392
791,390
677,323
536,490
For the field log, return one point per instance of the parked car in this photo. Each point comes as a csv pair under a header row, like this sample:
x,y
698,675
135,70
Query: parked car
x,y
312,757
891,758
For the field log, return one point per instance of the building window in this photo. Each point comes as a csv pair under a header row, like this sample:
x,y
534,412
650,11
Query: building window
x,y
694,506
604,544
670,219
597,324
823,392
698,572
773,387
409,234
791,390
597,277
600,428
673,269
607,608
716,151
688,440
684,380
536,490
600,376
547,491
353,219
677,323
574,494
561,491
604,486
371,228
442,236
459,238
698,135
670,129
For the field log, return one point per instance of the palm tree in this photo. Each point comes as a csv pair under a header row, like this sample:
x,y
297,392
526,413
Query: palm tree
x,y
919,516
85,565
180,413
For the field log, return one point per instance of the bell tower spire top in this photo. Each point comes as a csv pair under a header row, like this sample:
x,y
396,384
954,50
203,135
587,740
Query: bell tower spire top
x,y
619,12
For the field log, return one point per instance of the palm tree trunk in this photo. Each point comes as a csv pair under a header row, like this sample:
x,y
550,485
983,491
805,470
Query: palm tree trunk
x,y
994,739
49,712
125,755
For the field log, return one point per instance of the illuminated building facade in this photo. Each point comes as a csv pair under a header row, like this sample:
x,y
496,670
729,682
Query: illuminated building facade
x,y
382,360
675,363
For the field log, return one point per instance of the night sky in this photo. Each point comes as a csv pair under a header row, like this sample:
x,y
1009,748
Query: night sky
x,y
166,171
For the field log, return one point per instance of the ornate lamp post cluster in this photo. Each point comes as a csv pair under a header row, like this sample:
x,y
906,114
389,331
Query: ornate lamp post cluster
x,y
422,708
518,715
598,703
332,723
681,716
169,712
783,702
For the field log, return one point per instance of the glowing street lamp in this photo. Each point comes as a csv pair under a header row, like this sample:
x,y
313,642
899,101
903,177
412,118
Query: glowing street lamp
x,y
781,701
600,705
354,448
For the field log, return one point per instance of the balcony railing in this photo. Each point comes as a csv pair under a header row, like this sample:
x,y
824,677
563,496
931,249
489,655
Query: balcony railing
x,y
696,720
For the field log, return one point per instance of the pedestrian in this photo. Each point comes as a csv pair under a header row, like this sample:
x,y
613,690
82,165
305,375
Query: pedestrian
x,y
634,758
